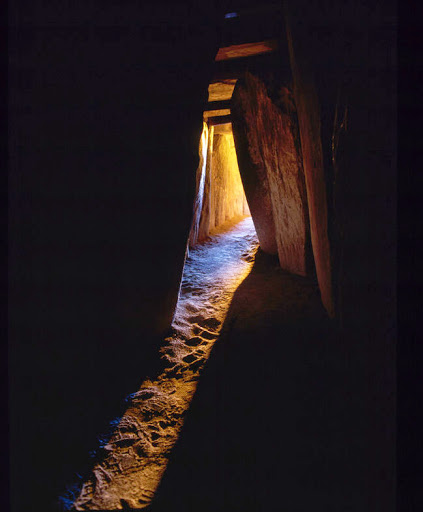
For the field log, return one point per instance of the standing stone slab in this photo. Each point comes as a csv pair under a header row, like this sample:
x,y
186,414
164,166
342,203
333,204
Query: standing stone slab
x,y
252,168
269,155
310,125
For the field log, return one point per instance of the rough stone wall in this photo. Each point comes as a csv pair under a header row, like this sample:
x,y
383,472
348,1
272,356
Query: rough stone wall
x,y
312,155
226,193
268,132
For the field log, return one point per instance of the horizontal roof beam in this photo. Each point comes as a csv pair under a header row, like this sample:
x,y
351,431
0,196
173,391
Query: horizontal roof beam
x,y
221,90
244,50
207,114
235,68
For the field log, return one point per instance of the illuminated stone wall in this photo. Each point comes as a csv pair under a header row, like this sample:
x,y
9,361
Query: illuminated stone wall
x,y
227,195
220,192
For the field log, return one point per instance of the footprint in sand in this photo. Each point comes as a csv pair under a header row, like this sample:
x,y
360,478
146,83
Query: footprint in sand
x,y
194,342
191,308
248,257
204,333
210,323
207,335
190,358
197,365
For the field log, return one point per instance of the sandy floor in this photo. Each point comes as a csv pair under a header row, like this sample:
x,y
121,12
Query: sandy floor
x,y
137,453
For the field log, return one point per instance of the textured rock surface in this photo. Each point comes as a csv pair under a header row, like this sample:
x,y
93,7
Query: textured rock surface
x,y
268,144
254,178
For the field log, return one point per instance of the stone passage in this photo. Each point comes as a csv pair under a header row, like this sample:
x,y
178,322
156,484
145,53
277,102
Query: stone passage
x,y
220,194
136,455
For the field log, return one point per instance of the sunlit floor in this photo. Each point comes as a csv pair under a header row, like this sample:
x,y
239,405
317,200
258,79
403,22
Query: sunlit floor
x,y
138,451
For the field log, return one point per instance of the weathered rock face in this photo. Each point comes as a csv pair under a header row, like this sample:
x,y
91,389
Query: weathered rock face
x,y
269,153
254,178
